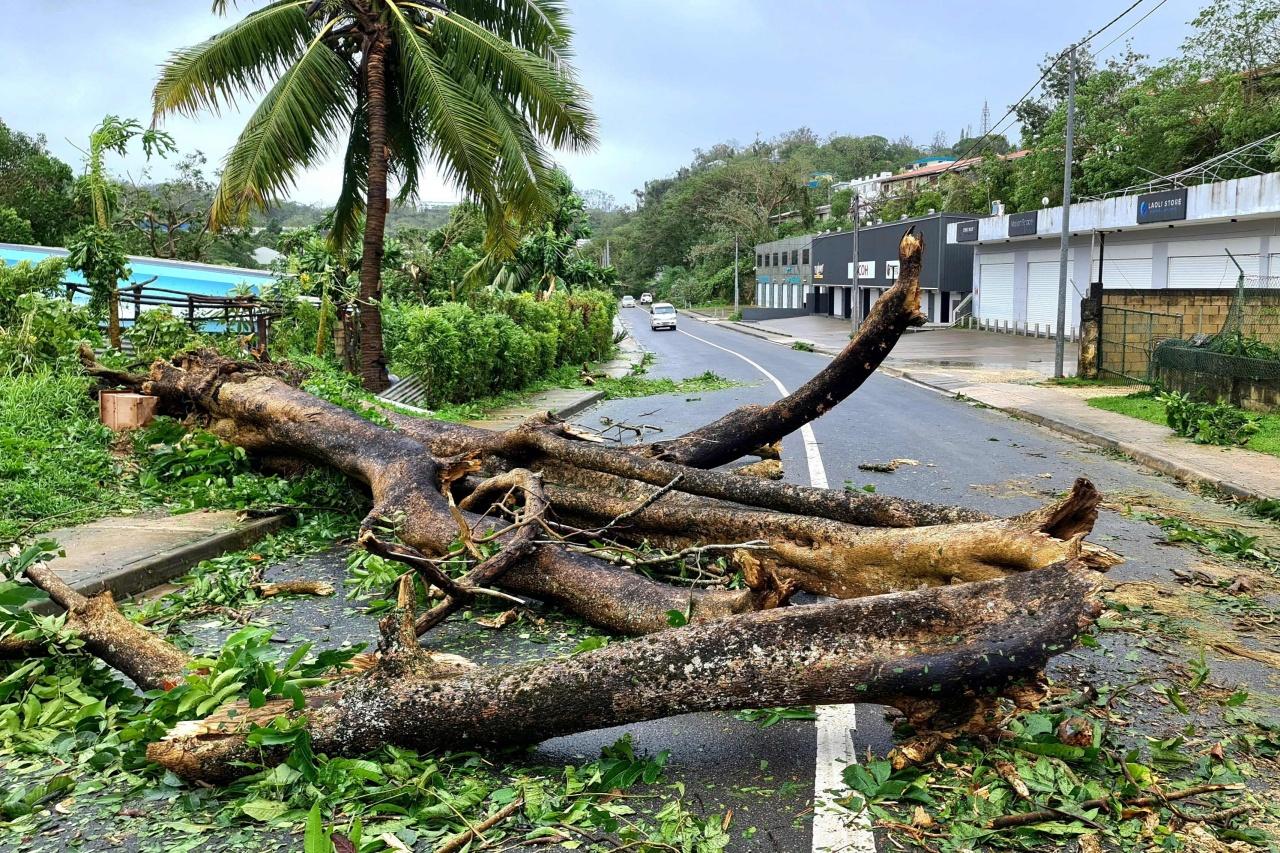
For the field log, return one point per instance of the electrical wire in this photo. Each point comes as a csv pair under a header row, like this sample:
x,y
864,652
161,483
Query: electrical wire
x,y
986,138
1129,29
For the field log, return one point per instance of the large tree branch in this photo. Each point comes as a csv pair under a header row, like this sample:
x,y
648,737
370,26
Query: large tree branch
x,y
921,649
748,427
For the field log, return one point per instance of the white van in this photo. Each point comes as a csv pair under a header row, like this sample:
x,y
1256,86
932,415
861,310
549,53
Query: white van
x,y
663,316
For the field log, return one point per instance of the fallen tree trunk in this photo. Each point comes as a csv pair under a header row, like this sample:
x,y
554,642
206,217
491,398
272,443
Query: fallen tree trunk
x,y
550,509
919,650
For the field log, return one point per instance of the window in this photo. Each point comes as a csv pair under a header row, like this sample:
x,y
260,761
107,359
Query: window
x,y
758,261
775,259
804,257
795,257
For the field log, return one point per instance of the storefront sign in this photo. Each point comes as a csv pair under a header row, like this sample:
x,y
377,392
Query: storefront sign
x,y
967,231
866,269
1023,224
1166,206
817,272
891,269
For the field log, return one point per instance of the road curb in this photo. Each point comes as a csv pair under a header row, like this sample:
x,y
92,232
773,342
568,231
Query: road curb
x,y
151,571
1153,461
1157,462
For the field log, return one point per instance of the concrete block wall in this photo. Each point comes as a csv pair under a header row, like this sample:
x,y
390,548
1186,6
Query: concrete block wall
x,y
1204,311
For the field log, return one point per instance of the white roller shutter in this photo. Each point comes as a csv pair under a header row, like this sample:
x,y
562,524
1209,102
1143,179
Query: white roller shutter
x,y
1126,273
995,292
1042,295
1209,270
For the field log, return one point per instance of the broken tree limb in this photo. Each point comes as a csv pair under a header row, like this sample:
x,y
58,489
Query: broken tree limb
x,y
739,432
894,649
260,411
830,558
108,635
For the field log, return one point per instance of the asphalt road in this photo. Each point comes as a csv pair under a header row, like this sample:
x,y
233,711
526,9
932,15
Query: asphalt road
x,y
968,455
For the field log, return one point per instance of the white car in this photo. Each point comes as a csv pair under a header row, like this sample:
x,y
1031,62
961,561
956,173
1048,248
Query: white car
x,y
646,298
628,302
663,316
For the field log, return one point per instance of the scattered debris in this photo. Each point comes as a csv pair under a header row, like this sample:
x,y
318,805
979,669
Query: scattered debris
x,y
886,467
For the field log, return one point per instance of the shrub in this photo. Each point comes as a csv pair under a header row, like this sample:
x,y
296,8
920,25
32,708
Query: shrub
x,y
503,342
1207,423
43,331
159,333
56,465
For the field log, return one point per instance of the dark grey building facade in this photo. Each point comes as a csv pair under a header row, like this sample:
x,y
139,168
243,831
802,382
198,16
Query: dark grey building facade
x,y
946,278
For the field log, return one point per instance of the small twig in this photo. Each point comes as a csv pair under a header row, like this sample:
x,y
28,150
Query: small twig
x,y
1024,818
457,842
635,510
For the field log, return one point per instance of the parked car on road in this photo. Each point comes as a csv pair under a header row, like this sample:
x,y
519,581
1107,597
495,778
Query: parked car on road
x,y
628,302
663,316
646,299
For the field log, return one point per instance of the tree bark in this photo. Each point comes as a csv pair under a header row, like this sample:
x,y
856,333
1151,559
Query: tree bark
x,y
921,651
561,510
373,365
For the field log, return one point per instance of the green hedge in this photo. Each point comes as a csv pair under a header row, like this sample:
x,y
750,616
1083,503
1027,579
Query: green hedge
x,y
501,342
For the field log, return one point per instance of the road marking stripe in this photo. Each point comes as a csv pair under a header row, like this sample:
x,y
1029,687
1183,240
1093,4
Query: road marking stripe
x,y
833,829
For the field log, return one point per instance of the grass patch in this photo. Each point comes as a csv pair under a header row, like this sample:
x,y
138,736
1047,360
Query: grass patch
x,y
56,464
643,386
1148,407
1079,382
566,376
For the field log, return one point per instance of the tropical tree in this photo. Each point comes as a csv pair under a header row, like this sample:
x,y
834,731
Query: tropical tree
x,y
94,244
478,90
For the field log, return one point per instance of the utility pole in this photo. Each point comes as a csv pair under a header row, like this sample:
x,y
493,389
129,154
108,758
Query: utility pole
x,y
736,309
1060,340
853,284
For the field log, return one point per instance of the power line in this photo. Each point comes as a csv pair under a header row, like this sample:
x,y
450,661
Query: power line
x,y
1129,29
1048,69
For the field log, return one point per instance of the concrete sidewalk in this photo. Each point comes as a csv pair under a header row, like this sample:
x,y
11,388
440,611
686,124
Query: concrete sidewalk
x,y
1241,473
1000,371
129,554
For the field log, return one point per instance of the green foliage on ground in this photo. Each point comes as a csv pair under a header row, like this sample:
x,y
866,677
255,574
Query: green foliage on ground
x,y
635,385
72,733
1207,423
1263,436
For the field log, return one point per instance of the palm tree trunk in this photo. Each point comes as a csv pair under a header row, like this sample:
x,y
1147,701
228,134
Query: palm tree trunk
x,y
373,366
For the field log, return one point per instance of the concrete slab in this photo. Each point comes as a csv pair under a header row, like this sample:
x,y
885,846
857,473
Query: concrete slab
x,y
128,554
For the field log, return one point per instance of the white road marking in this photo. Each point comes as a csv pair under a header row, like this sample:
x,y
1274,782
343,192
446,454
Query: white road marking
x,y
834,830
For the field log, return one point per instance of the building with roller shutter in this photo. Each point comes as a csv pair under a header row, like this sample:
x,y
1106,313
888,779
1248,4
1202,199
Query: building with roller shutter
x,y
1171,238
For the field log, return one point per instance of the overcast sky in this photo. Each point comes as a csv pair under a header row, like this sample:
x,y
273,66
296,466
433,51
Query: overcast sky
x,y
666,76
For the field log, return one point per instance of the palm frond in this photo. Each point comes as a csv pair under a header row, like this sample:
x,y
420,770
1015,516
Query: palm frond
x,y
294,126
455,130
237,62
549,95
348,213
538,26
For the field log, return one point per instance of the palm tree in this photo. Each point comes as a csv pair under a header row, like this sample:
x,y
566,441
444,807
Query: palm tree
x,y
478,89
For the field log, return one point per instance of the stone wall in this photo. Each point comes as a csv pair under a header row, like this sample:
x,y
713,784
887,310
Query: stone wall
x,y
1125,340
1204,310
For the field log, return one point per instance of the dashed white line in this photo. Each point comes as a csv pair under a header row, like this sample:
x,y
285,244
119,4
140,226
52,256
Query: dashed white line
x,y
834,830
